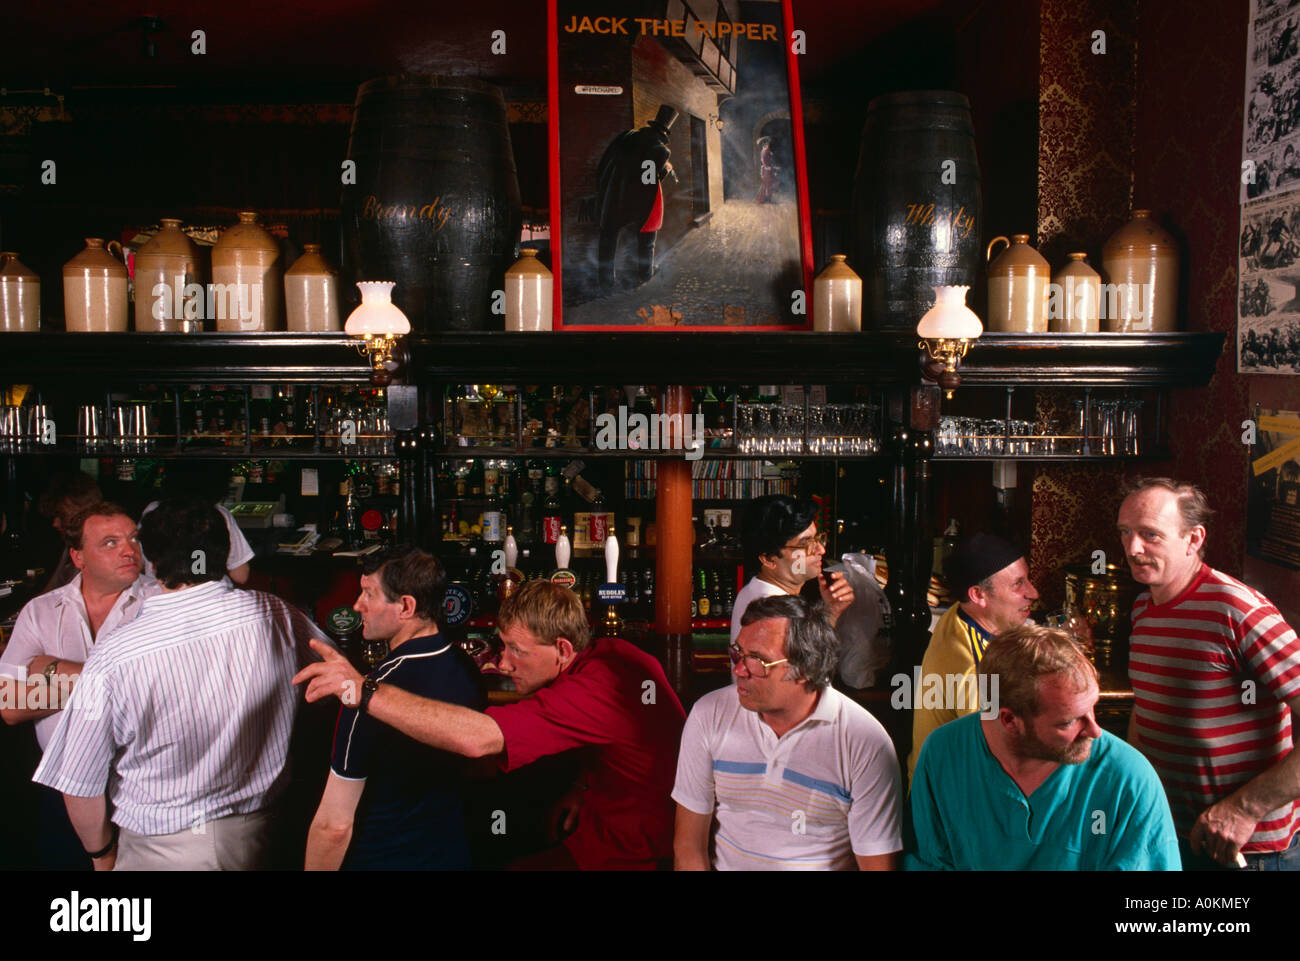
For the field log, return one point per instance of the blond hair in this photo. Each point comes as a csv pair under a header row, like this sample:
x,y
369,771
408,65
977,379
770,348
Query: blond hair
x,y
1021,657
548,611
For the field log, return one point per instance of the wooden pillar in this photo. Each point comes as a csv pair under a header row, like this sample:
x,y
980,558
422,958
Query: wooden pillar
x,y
673,553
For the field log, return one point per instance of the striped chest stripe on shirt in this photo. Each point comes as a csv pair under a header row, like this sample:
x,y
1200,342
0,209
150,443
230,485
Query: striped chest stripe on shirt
x,y
383,672
1211,671
746,785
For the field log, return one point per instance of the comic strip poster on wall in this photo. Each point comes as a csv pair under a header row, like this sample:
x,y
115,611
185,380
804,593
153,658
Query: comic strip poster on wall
x,y
1273,506
678,193
1268,306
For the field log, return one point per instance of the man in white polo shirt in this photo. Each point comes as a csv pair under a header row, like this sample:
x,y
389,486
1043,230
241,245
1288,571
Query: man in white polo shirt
x,y
799,776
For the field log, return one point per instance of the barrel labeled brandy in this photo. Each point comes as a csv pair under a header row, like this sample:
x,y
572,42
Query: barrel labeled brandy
x,y
916,204
435,206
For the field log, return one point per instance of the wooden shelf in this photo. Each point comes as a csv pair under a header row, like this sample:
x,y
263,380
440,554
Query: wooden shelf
x,y
634,357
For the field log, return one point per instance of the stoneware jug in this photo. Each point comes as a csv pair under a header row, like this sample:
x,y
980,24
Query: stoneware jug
x,y
311,292
1018,282
246,275
1075,298
530,289
94,288
1141,264
20,295
837,297
166,271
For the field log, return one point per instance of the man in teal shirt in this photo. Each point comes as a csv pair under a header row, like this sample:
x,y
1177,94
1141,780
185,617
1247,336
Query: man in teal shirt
x,y
1039,786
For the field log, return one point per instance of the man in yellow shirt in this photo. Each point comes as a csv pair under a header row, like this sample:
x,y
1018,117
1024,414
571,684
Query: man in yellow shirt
x,y
990,578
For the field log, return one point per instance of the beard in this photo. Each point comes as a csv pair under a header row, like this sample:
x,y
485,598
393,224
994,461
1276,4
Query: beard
x,y
1078,751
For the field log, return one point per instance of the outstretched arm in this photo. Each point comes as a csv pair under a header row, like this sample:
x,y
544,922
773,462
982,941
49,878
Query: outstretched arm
x,y
449,727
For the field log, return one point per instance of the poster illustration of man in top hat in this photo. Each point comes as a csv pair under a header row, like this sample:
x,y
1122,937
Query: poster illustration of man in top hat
x,y
630,180
679,197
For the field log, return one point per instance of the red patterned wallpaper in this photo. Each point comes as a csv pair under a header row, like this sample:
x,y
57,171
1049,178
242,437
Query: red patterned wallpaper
x,y
1085,179
1192,63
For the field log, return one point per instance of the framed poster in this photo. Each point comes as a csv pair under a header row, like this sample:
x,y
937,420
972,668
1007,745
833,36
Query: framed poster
x,y
1268,295
679,197
1273,505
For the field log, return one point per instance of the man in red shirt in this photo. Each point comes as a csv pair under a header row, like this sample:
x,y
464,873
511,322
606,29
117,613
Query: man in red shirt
x,y
605,694
1216,684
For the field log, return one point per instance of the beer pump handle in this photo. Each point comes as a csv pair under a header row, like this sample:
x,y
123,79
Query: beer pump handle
x,y
511,548
562,549
611,558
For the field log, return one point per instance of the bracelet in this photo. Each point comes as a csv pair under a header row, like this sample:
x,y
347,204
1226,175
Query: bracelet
x,y
96,855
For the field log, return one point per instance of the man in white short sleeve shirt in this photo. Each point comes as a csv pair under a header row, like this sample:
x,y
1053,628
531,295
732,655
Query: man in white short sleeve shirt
x,y
799,776
53,637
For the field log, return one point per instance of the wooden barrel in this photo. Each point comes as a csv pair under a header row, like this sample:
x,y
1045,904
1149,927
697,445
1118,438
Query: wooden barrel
x,y
435,206
916,204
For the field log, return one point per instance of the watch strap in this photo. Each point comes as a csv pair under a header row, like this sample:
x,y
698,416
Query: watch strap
x,y
368,688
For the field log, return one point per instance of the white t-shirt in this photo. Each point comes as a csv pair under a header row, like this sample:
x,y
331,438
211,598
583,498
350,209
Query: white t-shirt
x,y
56,623
751,592
809,800
241,552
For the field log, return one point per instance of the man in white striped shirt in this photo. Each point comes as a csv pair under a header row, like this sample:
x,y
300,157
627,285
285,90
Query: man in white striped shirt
x,y
182,718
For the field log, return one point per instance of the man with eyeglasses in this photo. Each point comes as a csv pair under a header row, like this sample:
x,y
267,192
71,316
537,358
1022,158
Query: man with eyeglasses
x,y
783,545
799,776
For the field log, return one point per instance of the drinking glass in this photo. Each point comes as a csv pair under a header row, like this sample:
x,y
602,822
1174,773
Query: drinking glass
x,y
90,428
11,429
37,415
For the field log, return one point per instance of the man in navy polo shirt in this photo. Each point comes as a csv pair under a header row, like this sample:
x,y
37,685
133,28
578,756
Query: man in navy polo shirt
x,y
392,803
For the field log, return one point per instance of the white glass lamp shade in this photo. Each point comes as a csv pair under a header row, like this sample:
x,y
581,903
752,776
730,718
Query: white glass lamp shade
x,y
378,315
949,318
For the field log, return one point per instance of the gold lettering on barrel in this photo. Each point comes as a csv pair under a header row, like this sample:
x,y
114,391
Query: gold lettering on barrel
x,y
960,221
435,211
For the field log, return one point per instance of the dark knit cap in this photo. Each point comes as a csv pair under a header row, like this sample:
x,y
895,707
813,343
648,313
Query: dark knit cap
x,y
975,558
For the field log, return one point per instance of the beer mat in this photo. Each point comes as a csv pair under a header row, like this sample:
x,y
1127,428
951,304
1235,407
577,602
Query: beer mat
x,y
360,551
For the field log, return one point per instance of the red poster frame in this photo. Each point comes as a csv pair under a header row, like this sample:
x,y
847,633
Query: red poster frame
x,y
557,199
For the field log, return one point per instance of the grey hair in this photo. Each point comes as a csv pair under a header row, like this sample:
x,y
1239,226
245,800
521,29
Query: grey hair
x,y
812,648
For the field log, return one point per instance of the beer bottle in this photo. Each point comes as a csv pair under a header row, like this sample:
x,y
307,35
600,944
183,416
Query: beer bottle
x,y
702,603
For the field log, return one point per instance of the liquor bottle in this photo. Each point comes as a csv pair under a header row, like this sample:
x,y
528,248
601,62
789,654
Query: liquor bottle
x,y
352,518
526,518
715,595
282,417
598,526
552,516
494,515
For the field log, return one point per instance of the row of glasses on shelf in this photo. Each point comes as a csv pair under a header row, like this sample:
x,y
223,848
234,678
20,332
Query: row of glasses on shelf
x,y
134,430
835,429
359,429
1114,428
996,437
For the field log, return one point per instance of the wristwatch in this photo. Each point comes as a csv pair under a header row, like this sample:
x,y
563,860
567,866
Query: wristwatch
x,y
368,688
51,669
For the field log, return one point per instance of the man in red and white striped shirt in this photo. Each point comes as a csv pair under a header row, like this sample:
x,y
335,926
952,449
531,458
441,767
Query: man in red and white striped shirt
x,y
1216,679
